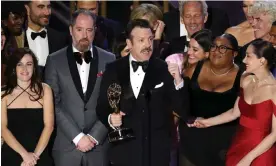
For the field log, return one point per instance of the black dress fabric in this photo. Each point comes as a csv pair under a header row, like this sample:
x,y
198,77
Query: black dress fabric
x,y
26,124
208,146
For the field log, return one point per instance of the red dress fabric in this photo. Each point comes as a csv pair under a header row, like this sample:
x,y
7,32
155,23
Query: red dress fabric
x,y
255,124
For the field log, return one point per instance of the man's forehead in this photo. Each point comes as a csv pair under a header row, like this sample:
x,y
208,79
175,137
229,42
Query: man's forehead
x,y
193,6
87,3
41,2
141,32
83,19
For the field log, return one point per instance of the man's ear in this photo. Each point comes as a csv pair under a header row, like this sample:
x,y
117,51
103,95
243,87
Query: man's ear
x,y
129,43
205,18
27,9
181,20
70,29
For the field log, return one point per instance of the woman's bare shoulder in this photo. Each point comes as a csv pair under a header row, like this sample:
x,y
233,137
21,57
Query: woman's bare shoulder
x,y
46,89
246,78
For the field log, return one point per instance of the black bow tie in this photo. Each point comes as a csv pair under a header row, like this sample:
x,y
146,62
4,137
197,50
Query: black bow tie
x,y
135,65
86,55
41,34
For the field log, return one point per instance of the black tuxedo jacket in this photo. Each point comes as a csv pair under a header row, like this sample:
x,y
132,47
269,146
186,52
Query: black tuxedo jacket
x,y
217,22
56,40
150,115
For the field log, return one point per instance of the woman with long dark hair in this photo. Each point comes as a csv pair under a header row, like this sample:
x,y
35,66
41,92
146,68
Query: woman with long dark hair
x,y
27,112
214,87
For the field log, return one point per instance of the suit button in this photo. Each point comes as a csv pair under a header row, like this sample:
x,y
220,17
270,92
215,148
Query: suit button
x,y
85,109
146,138
143,111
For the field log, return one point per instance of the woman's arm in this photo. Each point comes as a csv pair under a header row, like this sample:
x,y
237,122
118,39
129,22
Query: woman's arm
x,y
225,117
48,118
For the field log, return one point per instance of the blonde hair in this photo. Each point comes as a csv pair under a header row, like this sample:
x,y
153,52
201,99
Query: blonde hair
x,y
150,10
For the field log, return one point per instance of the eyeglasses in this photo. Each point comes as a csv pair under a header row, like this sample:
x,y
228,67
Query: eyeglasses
x,y
222,49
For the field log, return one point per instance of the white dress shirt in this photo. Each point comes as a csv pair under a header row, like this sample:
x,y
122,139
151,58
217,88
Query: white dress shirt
x,y
136,78
39,46
83,69
184,32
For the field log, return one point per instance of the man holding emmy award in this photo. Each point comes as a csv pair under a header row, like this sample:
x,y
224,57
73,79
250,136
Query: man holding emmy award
x,y
75,74
136,100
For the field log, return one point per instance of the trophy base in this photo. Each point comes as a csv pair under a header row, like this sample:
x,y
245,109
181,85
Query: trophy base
x,y
121,134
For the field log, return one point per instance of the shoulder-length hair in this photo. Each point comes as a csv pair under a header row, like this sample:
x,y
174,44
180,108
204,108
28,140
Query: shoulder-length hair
x,y
36,84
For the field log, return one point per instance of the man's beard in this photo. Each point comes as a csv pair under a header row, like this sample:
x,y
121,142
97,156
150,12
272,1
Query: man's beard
x,y
83,45
36,20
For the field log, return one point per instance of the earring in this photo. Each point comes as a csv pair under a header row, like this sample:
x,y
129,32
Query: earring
x,y
13,71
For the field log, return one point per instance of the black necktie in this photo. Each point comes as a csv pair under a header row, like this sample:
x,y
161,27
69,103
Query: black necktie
x,y
87,57
41,34
135,65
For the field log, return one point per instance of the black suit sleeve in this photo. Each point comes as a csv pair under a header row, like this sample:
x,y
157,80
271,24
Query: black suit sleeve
x,y
179,99
103,108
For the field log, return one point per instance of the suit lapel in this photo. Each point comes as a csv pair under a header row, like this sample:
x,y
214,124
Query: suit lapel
x,y
26,44
74,71
92,74
124,79
50,38
150,77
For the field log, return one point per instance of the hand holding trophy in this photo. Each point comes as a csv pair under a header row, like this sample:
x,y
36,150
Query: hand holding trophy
x,y
119,134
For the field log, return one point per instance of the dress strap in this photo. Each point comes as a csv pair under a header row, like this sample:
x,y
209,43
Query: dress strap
x,y
24,90
197,71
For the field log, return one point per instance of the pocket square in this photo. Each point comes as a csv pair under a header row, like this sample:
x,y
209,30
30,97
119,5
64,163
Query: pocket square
x,y
100,74
159,85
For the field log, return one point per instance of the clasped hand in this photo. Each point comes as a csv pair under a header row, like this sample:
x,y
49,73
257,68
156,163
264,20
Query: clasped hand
x,y
86,143
29,159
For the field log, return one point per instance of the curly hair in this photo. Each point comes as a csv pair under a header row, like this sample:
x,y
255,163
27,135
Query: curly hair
x,y
265,6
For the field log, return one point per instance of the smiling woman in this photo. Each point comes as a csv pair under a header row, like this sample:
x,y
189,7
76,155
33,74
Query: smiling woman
x,y
27,113
214,87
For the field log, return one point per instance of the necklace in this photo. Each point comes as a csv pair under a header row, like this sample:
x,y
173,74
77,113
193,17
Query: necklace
x,y
222,73
258,83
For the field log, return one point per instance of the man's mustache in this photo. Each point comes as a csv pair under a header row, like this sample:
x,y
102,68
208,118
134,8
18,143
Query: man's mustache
x,y
147,49
84,40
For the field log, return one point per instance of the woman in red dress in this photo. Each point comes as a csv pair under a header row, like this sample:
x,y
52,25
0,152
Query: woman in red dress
x,y
255,140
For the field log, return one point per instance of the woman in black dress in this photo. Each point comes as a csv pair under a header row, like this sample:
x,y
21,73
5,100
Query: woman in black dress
x,y
214,87
27,113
